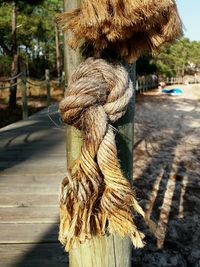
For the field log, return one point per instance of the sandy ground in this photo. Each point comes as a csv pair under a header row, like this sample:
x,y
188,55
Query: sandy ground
x,y
167,176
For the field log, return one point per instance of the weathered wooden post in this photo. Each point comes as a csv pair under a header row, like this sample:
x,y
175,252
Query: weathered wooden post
x,y
14,51
63,82
137,85
58,54
71,60
110,250
47,77
85,210
24,98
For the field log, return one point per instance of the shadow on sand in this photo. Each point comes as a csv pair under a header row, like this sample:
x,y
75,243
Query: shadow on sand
x,y
167,179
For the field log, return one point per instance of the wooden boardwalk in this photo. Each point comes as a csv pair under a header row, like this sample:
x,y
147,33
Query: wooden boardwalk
x,y
32,164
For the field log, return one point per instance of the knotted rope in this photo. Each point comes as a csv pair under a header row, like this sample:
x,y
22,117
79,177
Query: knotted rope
x,y
95,195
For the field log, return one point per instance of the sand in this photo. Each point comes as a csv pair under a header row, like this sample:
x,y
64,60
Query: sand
x,y
167,176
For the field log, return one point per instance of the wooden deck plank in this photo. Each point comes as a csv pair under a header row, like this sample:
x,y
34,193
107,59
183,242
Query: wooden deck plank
x,y
28,233
27,165
32,145
20,156
29,188
29,200
29,215
32,255
32,165
28,179
49,170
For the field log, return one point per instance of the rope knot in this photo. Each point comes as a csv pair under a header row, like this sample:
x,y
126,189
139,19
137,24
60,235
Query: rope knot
x,y
95,195
96,83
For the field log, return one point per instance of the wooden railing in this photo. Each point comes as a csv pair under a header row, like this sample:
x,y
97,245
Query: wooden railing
x,y
142,85
182,80
23,80
146,83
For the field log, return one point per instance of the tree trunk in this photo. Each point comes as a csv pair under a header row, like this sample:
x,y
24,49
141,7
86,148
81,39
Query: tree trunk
x,y
58,56
14,66
183,70
107,251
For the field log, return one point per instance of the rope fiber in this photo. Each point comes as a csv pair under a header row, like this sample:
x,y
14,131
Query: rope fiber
x,y
12,78
34,84
127,27
95,197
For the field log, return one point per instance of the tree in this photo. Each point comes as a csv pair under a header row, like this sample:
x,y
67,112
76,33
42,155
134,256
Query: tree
x,y
13,49
179,58
27,30
145,65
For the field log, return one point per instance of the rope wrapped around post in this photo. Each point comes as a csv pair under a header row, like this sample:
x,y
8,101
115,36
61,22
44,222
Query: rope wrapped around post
x,y
96,198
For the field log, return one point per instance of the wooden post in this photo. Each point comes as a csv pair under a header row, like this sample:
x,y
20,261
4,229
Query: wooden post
x,y
47,77
14,65
107,251
58,56
63,82
146,82
71,60
137,86
143,85
24,98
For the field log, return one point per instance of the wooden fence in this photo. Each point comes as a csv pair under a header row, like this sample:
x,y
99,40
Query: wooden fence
x,y
183,80
146,83
142,85
23,80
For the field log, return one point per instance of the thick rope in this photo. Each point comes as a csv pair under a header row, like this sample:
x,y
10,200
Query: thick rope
x,y
12,78
10,86
35,84
126,26
95,195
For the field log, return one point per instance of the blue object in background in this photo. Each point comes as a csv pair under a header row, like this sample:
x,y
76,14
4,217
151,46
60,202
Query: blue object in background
x,y
173,91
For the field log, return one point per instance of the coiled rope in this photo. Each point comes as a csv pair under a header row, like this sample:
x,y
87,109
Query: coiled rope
x,y
95,196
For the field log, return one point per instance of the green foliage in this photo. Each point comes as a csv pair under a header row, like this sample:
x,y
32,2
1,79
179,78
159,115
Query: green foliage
x,y
5,28
179,58
145,65
5,65
35,32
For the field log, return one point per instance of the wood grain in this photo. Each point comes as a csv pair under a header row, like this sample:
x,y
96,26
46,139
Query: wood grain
x,y
28,233
29,215
28,200
32,255
32,164
105,251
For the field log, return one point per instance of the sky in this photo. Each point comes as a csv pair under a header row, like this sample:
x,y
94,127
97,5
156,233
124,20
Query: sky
x,y
189,11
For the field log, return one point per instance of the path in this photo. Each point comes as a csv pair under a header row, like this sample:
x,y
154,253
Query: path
x,y
32,164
